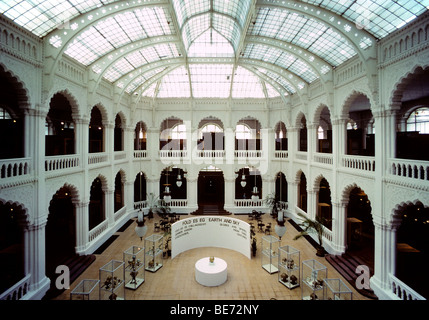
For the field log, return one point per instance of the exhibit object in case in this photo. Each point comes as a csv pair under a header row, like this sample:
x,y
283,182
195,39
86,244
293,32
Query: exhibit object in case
x,y
270,248
153,252
134,267
87,289
313,274
211,271
112,284
289,264
336,289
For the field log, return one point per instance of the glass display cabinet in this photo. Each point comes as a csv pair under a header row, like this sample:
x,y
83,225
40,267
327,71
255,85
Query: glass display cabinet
x,y
270,248
112,281
313,274
134,267
153,255
336,289
289,263
87,289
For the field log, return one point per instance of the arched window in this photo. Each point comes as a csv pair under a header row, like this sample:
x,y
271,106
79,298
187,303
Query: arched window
x,y
320,133
418,120
178,132
351,125
4,115
210,127
243,131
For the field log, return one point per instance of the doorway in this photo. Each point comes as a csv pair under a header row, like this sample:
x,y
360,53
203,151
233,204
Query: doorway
x,y
211,188
60,231
360,228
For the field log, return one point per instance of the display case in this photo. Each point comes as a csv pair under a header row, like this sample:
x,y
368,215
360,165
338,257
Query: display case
x,y
336,289
313,274
112,283
87,289
289,265
134,267
153,252
270,249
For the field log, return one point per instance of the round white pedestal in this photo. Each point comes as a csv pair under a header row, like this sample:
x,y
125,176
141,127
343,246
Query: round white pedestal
x,y
211,274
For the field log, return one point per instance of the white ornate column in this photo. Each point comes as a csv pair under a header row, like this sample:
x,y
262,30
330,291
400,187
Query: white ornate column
x,y
192,191
384,258
311,203
36,264
339,227
109,206
229,192
82,226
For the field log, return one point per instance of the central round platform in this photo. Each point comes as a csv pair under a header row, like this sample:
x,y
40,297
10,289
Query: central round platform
x,y
211,274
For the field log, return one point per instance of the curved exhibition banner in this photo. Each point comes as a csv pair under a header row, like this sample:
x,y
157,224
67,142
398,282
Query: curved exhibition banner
x,y
210,231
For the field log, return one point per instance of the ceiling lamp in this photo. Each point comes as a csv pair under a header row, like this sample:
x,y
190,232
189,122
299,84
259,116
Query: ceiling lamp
x,y
179,180
243,181
141,229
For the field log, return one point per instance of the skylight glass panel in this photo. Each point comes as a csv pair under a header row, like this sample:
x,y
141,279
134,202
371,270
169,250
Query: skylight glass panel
x,y
139,58
194,28
211,44
175,84
41,17
187,8
227,27
271,92
282,59
238,9
378,17
246,85
211,80
150,92
89,46
117,31
283,82
142,78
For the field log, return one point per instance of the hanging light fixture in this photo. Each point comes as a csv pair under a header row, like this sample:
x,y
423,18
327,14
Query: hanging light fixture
x,y
141,229
243,180
167,194
255,193
179,180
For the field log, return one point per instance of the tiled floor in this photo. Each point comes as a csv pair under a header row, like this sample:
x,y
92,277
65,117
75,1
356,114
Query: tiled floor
x,y
247,280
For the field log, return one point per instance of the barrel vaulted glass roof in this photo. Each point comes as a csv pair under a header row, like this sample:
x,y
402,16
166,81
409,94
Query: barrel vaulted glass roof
x,y
212,48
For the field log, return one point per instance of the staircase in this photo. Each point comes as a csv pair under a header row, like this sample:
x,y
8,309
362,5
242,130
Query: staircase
x,y
346,265
213,210
77,265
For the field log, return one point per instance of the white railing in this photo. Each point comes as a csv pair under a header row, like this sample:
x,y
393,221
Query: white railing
x,y
94,158
173,153
14,167
358,162
248,203
324,158
210,153
95,232
18,290
120,155
178,203
413,169
248,153
140,205
401,291
281,154
118,214
62,162
301,155
138,154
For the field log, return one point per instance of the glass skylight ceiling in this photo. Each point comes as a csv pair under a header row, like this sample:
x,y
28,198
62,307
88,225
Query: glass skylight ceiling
x,y
139,44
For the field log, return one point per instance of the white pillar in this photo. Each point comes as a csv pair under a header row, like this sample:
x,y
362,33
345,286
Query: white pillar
x,y
82,226
192,191
339,227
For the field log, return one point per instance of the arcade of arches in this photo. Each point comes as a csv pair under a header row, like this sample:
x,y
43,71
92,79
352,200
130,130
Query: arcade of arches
x,y
81,155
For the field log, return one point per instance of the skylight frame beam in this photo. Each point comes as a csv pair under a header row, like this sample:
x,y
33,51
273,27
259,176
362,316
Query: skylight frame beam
x,y
331,19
